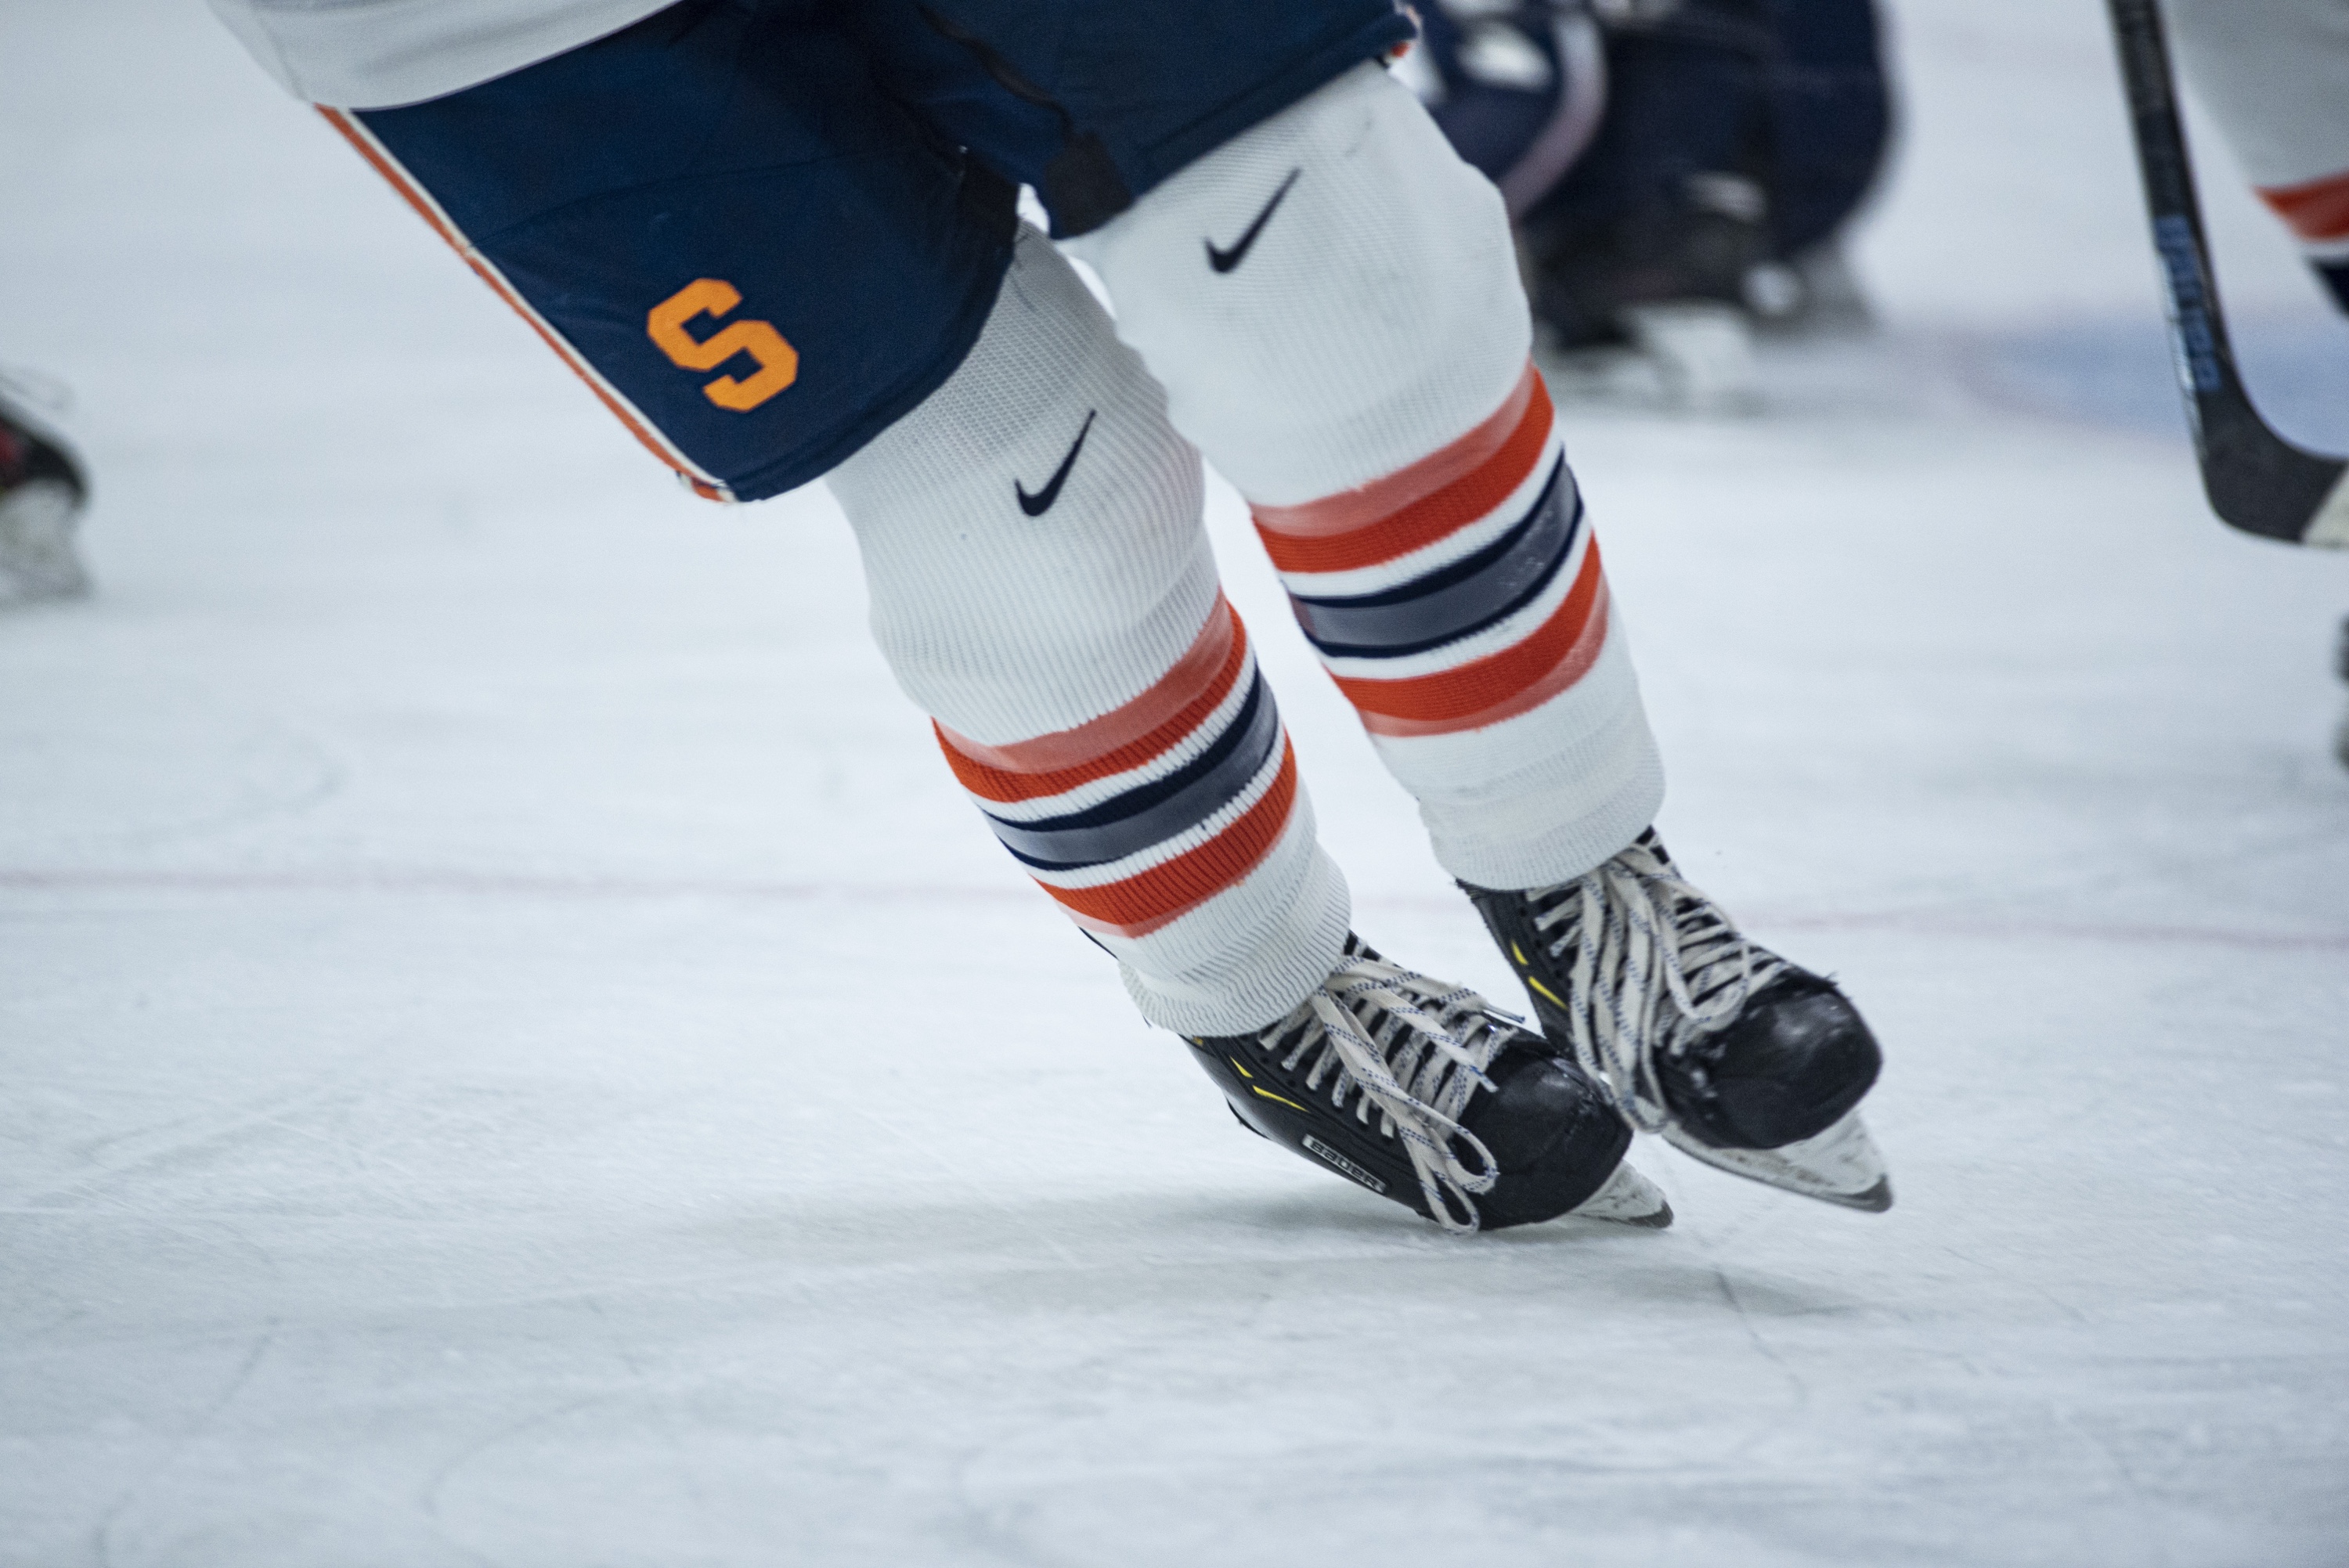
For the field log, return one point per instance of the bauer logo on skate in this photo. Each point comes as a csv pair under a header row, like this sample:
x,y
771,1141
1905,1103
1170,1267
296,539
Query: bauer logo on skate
x,y
778,361
1344,1164
1137,818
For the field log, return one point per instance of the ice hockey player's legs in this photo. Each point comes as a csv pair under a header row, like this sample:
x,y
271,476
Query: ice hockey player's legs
x,y
1091,687
516,1050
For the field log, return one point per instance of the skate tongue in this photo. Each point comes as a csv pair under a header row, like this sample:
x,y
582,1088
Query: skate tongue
x,y
1703,355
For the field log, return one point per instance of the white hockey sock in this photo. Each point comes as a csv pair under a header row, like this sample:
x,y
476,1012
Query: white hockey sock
x,y
1331,300
1042,586
2271,73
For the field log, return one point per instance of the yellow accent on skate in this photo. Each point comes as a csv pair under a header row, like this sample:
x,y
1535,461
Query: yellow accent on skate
x,y
1268,1094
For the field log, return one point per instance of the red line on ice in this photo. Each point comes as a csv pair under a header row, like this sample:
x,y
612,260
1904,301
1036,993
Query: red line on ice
x,y
429,881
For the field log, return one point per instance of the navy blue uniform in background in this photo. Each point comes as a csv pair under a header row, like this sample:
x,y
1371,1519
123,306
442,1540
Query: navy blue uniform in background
x,y
1789,92
1729,133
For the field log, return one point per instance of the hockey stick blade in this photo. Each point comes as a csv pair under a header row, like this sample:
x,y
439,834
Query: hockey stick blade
x,y
2257,481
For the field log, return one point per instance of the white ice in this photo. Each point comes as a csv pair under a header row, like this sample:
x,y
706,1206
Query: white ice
x,y
515,1052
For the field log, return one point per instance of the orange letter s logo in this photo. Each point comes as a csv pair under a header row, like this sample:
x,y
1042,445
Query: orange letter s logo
x,y
778,361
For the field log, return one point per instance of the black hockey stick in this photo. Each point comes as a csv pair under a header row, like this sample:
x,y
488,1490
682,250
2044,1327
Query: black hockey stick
x,y
2257,481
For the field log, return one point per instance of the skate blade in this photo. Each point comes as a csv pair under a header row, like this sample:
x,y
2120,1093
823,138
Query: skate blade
x,y
1703,355
1626,1198
1840,1166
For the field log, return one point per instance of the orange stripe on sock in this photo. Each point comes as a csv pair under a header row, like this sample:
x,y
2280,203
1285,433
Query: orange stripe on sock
x,y
1166,892
1122,739
2316,211
1579,656
701,482
1516,680
1415,506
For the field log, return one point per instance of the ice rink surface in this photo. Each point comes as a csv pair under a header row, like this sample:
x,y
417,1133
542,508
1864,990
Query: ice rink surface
x,y
516,1051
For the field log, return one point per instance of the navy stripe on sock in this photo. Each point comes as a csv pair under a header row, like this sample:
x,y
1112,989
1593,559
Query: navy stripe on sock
x,y
1458,600
2334,275
1148,814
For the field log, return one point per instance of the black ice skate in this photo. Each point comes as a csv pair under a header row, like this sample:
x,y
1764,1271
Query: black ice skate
x,y
1424,1094
41,493
1735,1055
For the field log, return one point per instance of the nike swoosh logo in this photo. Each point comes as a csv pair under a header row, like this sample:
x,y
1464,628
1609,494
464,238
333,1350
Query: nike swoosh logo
x,y
1225,261
1039,504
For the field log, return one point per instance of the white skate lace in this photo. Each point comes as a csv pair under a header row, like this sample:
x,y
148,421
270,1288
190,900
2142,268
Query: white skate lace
x,y
1657,965
1418,1067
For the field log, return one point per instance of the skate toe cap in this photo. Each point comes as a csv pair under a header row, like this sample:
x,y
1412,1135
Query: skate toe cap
x,y
1554,1139
1798,1059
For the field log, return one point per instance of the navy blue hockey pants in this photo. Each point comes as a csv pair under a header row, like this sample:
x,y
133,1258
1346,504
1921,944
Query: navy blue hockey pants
x,y
764,230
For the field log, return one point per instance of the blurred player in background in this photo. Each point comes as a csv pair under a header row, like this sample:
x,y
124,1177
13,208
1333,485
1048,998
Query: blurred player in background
x,y
780,241
2275,75
1677,170
42,492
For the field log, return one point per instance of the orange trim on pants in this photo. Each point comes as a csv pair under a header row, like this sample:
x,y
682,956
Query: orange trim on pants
x,y
700,482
